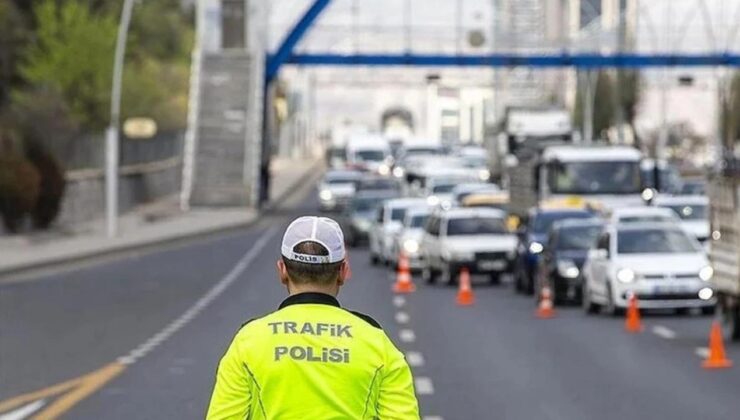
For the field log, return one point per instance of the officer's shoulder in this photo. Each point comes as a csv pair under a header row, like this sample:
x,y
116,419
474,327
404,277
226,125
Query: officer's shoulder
x,y
366,318
251,322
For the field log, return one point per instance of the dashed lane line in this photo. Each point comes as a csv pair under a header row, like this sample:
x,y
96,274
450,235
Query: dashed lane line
x,y
407,336
664,332
402,317
702,352
399,301
71,392
415,359
432,418
424,386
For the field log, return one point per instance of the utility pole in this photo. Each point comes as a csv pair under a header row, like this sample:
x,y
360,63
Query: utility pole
x,y
111,134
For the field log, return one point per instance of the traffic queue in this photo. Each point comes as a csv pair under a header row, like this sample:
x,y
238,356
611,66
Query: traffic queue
x,y
582,223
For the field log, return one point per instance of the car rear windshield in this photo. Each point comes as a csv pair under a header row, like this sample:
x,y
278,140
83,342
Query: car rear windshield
x,y
543,221
577,238
370,155
654,241
645,218
398,214
418,221
443,188
365,204
377,184
475,226
690,212
341,180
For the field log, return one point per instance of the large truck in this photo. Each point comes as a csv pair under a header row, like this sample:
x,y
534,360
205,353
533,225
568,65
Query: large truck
x,y
724,204
603,176
526,128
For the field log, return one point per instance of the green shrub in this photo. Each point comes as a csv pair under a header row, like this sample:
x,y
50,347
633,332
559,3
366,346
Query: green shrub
x,y
51,186
19,190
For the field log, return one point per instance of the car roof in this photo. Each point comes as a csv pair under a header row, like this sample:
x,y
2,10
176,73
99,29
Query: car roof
x,y
460,212
648,226
681,199
381,194
641,211
405,202
572,153
418,210
342,173
574,223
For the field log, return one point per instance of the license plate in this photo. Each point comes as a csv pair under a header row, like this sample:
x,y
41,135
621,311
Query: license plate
x,y
670,289
492,265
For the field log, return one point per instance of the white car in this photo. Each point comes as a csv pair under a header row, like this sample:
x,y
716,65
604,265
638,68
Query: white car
x,y
388,221
692,210
643,214
475,238
463,190
658,262
408,239
336,189
438,188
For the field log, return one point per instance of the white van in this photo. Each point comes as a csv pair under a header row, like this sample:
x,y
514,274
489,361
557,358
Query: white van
x,y
369,152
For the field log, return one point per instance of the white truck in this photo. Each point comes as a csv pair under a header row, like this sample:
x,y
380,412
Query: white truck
x,y
522,128
606,176
724,204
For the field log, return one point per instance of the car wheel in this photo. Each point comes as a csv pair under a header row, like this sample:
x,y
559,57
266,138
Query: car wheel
x,y
589,307
495,279
446,276
729,318
428,275
373,259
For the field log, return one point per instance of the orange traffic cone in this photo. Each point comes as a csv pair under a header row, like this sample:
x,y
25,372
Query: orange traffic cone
x,y
632,323
403,276
465,295
545,309
717,358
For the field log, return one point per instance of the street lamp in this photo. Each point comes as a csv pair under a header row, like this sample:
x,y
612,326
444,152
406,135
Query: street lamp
x,y
111,134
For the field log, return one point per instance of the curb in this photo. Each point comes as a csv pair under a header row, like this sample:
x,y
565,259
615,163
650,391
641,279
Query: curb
x,y
8,275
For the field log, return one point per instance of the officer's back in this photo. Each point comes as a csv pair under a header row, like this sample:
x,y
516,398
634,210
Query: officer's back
x,y
312,359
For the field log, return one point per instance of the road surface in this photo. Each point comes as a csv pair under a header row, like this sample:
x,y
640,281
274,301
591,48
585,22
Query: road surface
x,y
140,337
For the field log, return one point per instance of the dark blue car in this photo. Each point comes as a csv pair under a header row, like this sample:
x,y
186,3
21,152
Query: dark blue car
x,y
532,240
565,253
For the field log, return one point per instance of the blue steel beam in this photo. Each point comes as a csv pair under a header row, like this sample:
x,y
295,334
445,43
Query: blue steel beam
x,y
513,60
284,52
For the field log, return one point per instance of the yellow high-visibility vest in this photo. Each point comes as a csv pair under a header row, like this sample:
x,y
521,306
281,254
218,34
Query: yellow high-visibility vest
x,y
312,359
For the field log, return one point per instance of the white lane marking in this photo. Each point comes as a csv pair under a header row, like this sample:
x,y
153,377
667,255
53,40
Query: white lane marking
x,y
415,358
399,301
407,336
432,418
424,385
664,332
702,352
402,317
23,412
202,303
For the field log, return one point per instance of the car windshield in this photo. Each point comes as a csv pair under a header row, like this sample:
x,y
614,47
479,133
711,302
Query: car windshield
x,y
654,241
577,238
694,188
443,188
690,211
370,155
645,218
365,204
594,178
543,221
340,179
474,162
418,221
398,214
377,184
475,226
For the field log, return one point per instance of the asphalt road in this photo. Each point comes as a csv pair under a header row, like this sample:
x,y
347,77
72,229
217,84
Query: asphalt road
x,y
164,318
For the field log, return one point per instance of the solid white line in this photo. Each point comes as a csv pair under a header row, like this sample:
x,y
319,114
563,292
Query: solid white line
x,y
23,412
424,386
415,358
205,300
407,336
399,301
702,352
664,332
402,317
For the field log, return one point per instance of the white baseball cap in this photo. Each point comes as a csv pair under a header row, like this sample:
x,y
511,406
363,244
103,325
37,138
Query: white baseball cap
x,y
321,230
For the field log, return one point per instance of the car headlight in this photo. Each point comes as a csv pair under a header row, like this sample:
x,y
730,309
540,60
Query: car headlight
x,y
384,169
706,293
568,269
411,246
398,172
446,205
432,200
325,195
706,273
536,248
484,174
625,275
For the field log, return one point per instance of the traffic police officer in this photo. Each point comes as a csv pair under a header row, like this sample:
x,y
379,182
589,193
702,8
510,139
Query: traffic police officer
x,y
312,359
